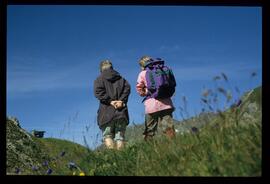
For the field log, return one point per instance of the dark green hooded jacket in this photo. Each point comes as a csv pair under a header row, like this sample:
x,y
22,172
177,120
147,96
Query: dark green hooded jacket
x,y
111,86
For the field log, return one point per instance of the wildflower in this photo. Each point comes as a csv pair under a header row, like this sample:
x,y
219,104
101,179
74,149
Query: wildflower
x,y
74,173
49,171
239,102
34,168
72,165
62,153
194,130
45,163
17,170
81,174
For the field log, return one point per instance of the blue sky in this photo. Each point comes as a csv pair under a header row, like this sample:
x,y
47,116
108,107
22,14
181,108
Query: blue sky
x,y
53,55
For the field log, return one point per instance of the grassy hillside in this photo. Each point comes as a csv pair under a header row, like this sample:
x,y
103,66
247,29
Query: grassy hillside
x,y
225,143
23,152
229,144
28,155
62,154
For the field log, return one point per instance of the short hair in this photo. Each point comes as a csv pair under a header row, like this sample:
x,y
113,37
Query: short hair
x,y
105,64
143,61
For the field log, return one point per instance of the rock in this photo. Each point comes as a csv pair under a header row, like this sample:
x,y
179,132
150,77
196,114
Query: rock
x,y
22,152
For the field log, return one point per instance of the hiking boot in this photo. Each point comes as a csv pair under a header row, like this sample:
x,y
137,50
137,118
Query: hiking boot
x,y
109,143
120,145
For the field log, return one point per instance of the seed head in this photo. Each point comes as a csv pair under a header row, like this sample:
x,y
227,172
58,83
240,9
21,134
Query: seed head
x,y
224,76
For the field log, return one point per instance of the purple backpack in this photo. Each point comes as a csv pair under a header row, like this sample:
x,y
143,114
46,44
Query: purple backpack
x,y
160,80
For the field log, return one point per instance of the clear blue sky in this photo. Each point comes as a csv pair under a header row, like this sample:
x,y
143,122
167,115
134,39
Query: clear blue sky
x,y
53,55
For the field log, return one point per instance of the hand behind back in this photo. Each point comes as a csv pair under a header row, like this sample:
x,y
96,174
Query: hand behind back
x,y
117,104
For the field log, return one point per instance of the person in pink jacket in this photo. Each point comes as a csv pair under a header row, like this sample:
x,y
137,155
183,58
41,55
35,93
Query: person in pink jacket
x,y
158,112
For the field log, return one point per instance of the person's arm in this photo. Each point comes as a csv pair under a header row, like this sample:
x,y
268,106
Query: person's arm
x,y
100,92
140,86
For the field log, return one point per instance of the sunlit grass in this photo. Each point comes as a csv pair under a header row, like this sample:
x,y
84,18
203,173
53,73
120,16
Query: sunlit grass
x,y
224,140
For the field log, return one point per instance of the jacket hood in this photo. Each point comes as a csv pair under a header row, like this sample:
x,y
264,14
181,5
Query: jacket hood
x,y
111,75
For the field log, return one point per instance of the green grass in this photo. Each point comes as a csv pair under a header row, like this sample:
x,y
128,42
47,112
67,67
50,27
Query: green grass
x,y
61,152
214,151
229,144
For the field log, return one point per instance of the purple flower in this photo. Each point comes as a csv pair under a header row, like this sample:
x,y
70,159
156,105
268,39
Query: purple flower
x,y
49,171
45,163
62,153
17,170
34,168
194,130
238,103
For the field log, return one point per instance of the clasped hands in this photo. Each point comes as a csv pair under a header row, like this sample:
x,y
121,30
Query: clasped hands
x,y
117,104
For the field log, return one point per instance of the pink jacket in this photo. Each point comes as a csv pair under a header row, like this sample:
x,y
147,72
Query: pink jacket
x,y
151,105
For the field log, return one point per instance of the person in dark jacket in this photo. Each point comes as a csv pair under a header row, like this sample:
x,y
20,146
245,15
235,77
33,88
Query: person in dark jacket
x,y
112,91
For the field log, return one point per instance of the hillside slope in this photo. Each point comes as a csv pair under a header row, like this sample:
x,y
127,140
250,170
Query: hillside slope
x,y
224,144
22,151
29,155
227,144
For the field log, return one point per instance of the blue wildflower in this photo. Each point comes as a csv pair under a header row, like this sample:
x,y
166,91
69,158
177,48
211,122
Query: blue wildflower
x,y
239,102
17,170
34,168
72,165
194,129
45,163
62,153
49,171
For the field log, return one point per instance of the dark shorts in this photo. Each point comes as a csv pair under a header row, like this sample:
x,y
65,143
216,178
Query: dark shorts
x,y
158,122
115,129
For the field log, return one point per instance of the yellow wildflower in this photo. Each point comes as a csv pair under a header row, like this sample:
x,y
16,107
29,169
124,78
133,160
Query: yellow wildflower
x,y
81,174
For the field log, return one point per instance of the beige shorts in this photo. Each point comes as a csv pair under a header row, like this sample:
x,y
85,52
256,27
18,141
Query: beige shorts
x,y
115,130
